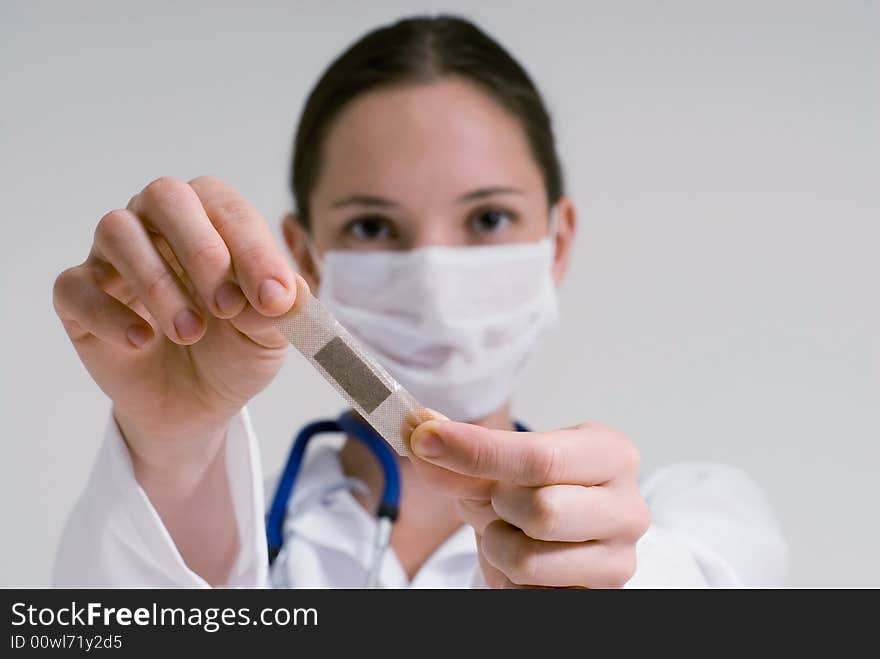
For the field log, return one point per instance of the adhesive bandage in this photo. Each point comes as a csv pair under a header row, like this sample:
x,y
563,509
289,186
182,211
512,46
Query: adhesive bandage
x,y
355,374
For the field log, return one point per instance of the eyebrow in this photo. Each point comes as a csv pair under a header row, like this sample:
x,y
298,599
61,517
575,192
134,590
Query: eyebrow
x,y
363,200
481,193
381,202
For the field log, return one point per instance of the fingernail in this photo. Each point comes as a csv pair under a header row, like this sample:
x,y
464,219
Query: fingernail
x,y
138,335
428,445
271,290
187,324
229,298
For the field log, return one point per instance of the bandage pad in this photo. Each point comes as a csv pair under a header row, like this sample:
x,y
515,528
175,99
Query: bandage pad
x,y
354,373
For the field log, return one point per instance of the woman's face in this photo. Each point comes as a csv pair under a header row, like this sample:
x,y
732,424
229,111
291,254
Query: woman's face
x,y
426,165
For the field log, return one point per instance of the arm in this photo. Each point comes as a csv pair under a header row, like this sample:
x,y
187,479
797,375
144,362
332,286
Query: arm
x,y
171,315
714,518
118,534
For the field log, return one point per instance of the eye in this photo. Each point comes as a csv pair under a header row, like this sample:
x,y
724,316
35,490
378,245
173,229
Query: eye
x,y
490,220
369,228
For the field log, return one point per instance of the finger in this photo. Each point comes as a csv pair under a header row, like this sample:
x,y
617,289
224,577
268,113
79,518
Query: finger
x,y
415,417
477,513
446,481
262,271
451,483
496,579
85,310
111,282
123,241
527,561
258,328
493,577
173,209
571,513
589,454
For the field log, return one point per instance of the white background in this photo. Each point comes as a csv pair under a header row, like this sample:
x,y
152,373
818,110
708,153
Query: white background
x,y
723,300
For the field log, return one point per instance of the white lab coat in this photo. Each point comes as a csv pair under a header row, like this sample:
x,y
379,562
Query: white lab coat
x,y
711,526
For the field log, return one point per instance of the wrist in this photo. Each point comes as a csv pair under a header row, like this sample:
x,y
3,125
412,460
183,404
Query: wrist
x,y
174,461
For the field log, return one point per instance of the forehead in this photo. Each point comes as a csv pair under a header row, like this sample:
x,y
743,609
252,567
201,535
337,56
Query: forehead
x,y
427,142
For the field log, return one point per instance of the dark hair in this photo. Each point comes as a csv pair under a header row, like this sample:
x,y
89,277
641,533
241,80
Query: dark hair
x,y
413,50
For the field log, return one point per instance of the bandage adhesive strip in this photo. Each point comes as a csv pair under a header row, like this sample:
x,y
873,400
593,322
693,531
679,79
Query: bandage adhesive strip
x,y
351,370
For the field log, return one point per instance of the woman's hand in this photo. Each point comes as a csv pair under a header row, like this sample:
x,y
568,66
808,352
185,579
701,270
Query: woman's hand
x,y
557,508
170,312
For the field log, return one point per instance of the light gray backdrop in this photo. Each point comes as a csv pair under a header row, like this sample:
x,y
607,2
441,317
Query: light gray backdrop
x,y
722,304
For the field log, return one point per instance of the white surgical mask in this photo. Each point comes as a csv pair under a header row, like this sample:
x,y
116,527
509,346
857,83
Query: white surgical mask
x,y
454,325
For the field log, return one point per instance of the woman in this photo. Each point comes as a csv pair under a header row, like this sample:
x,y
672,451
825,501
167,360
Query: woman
x,y
428,146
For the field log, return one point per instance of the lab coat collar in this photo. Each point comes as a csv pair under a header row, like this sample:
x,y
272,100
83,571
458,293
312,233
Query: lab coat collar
x,y
339,521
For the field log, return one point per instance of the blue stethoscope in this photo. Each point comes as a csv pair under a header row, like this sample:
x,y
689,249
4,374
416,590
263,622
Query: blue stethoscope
x,y
389,503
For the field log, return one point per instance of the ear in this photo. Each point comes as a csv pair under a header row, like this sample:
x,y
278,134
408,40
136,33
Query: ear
x,y
297,239
566,227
